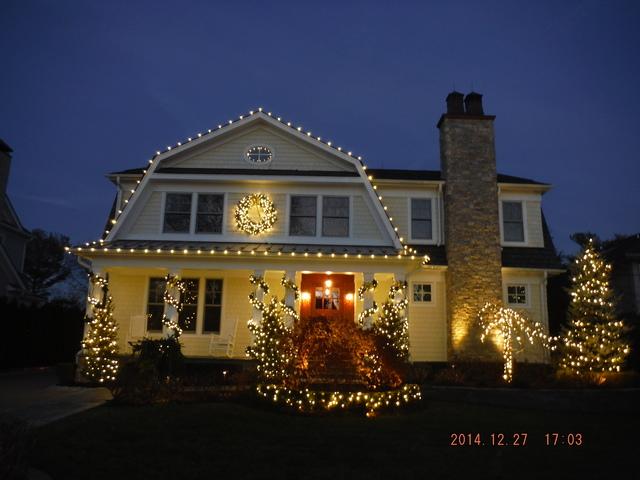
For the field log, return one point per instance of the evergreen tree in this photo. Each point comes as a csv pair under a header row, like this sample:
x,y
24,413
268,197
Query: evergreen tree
x,y
392,326
593,340
100,342
272,345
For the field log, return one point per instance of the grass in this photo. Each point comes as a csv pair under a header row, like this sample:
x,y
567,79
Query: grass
x,y
241,440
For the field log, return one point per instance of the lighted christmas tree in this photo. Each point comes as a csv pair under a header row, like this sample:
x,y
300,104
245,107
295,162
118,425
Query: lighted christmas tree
x,y
271,347
391,325
593,341
100,343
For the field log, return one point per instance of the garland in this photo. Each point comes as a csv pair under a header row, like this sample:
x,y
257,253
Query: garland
x,y
290,285
258,280
370,286
173,283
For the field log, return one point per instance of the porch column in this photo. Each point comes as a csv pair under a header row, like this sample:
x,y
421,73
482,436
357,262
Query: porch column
x,y
257,314
401,295
170,311
368,299
95,293
289,295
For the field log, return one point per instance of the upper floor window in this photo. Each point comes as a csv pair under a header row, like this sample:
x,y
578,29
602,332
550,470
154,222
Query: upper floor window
x,y
335,216
302,220
188,315
177,213
259,154
209,214
421,224
516,294
155,304
512,222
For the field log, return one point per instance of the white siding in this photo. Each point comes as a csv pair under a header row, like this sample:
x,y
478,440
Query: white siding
x,y
288,153
534,223
535,309
363,222
148,219
428,322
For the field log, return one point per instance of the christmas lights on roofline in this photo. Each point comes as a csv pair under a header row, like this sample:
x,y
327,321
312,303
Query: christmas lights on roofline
x,y
199,135
184,251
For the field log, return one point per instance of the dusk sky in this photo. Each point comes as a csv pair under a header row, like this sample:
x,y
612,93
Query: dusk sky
x,y
92,87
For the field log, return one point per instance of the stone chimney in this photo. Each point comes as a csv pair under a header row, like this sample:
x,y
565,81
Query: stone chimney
x,y
472,230
5,165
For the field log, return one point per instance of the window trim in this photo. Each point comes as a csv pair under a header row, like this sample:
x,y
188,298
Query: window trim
x,y
416,303
527,295
424,241
514,243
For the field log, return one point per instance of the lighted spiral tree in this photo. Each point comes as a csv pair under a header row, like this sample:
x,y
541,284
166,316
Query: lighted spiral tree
x,y
512,329
100,343
392,325
272,338
593,341
173,295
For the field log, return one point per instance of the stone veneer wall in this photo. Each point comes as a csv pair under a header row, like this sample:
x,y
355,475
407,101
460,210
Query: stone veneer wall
x,y
472,230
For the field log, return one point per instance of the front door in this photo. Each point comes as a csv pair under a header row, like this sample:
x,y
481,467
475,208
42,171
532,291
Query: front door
x,y
330,296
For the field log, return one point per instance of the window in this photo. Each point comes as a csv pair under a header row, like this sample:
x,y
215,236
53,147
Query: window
x,y
421,218
302,219
259,154
177,213
327,298
513,226
155,304
209,213
422,292
188,315
516,294
335,216
212,306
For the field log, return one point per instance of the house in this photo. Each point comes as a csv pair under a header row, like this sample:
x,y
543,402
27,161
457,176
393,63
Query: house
x,y
261,196
13,236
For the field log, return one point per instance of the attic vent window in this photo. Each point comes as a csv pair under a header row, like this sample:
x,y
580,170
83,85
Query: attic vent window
x,y
259,154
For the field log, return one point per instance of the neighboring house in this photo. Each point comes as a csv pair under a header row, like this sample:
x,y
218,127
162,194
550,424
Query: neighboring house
x,y
13,236
624,256
338,225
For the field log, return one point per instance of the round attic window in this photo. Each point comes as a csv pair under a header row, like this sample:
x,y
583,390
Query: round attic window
x,y
259,154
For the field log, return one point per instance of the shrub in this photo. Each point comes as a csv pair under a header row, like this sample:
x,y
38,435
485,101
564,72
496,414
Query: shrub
x,y
152,374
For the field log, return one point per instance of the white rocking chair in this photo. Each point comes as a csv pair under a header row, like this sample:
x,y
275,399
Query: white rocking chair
x,y
222,346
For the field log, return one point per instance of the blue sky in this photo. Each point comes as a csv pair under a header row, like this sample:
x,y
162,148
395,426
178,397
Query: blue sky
x,y
91,87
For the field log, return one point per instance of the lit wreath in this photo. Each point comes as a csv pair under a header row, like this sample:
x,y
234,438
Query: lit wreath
x,y
268,215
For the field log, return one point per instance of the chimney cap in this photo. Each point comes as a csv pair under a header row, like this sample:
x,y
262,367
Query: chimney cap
x,y
455,103
473,104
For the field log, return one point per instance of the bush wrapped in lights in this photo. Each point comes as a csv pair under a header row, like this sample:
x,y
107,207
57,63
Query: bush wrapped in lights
x,y
510,327
100,344
593,341
392,326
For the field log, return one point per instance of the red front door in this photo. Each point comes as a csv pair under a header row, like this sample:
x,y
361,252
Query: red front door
x,y
327,295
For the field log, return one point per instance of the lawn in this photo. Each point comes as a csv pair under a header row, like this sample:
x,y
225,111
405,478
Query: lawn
x,y
241,440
